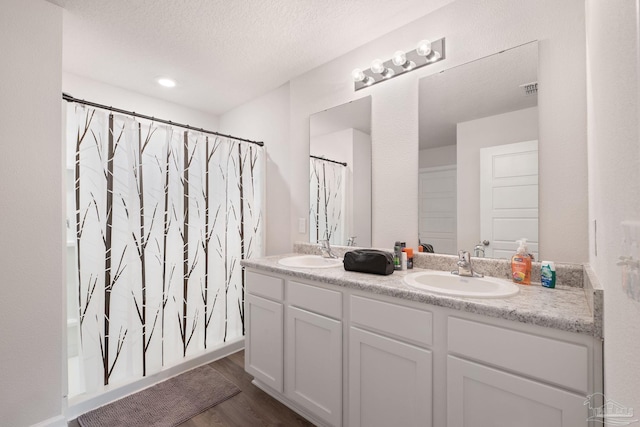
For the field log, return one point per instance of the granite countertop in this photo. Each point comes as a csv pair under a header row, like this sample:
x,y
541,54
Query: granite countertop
x,y
565,307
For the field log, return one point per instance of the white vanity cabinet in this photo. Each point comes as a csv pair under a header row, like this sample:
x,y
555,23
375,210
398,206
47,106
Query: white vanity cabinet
x,y
313,350
293,344
498,376
478,395
342,356
390,375
264,332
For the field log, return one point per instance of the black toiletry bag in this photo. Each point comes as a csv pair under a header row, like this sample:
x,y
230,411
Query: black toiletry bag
x,y
369,261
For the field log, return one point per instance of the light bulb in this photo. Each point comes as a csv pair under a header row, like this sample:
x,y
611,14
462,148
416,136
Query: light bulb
x,y
434,56
166,82
377,66
399,58
357,75
424,48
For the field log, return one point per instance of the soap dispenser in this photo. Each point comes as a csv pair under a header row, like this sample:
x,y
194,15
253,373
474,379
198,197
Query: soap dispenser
x,y
521,264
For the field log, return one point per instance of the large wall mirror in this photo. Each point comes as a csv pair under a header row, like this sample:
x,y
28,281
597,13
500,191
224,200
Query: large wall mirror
x,y
478,157
340,174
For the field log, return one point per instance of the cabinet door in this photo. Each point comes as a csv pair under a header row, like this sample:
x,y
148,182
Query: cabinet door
x,y
479,396
264,341
314,363
390,382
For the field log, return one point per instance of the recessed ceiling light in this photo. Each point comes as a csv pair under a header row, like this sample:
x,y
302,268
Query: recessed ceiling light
x,y
166,82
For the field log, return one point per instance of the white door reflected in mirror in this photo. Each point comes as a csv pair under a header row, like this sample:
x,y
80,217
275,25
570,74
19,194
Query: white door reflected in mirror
x,y
509,197
437,211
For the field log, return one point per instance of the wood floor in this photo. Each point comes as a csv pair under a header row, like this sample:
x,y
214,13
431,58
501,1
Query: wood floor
x,y
251,407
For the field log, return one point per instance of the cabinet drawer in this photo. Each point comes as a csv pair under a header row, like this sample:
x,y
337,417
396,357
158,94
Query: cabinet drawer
x,y
265,286
315,299
554,361
392,319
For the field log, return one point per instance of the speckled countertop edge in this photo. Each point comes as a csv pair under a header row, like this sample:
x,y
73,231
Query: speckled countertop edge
x,y
594,293
564,308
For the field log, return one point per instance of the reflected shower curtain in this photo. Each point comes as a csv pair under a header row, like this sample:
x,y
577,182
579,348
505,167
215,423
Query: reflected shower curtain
x,y
327,198
162,218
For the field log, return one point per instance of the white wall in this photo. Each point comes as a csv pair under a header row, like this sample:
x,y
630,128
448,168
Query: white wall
x,y
439,156
31,230
361,186
516,126
267,119
91,90
473,29
353,147
334,146
614,182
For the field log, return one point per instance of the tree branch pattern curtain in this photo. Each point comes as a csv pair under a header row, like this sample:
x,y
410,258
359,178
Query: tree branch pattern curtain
x,y
327,198
162,218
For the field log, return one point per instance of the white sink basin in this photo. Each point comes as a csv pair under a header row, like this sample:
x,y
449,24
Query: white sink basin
x,y
310,261
443,282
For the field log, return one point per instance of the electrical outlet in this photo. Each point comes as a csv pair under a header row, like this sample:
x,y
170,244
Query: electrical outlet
x,y
302,225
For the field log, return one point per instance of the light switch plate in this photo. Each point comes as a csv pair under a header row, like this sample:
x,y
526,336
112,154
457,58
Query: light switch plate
x,y
629,260
302,225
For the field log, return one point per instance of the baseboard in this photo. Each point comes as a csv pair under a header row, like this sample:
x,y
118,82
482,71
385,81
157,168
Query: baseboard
x,y
82,404
58,421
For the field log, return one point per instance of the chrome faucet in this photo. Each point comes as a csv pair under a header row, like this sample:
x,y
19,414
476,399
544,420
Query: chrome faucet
x,y
325,247
478,250
351,241
464,266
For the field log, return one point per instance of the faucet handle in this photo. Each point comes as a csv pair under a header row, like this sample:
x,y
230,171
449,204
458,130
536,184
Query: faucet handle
x,y
325,248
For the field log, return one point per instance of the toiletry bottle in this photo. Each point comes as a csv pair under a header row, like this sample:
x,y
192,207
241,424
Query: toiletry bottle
x,y
521,264
397,250
548,274
409,252
403,260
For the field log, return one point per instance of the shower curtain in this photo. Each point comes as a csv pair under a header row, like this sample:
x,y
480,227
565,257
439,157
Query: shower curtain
x,y
327,199
161,219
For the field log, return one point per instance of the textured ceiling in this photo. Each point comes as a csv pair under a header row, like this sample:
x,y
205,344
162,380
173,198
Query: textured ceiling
x,y
481,88
222,53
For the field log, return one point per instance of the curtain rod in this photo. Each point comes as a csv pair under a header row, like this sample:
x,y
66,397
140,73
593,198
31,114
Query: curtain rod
x,y
328,160
70,98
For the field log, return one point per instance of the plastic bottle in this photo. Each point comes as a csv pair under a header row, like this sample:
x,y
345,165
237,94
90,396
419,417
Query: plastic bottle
x,y
521,264
397,254
409,252
548,274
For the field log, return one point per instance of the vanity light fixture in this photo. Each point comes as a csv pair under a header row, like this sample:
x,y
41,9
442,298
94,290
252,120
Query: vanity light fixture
x,y
402,62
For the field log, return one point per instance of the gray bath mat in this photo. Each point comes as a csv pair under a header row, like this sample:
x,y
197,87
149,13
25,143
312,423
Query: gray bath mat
x,y
166,404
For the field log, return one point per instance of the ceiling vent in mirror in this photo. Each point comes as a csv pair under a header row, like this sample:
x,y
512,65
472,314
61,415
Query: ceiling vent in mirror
x,y
425,53
530,88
